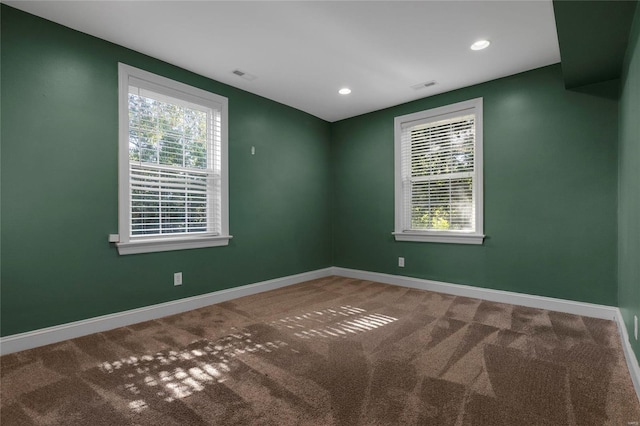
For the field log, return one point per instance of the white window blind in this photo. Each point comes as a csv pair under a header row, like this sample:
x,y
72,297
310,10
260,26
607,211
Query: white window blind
x,y
173,177
174,165
438,174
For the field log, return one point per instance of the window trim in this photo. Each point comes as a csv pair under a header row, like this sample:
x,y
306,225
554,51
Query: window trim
x,y
456,237
126,244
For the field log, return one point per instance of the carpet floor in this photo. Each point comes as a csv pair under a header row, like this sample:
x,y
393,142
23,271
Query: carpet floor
x,y
333,351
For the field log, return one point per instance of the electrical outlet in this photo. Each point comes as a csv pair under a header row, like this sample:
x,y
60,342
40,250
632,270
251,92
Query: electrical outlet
x,y
177,278
635,326
401,262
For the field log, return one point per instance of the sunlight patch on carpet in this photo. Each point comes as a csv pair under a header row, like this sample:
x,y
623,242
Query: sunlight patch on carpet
x,y
312,324
211,364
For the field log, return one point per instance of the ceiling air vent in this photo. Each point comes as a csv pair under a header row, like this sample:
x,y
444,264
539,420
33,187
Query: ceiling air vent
x,y
245,75
423,85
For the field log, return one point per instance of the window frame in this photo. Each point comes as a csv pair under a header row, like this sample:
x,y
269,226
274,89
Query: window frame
x,y
128,244
403,232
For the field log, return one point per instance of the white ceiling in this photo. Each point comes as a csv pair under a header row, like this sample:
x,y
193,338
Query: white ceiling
x,y
302,52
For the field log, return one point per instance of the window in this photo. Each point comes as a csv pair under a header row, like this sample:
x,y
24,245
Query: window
x,y
438,168
173,190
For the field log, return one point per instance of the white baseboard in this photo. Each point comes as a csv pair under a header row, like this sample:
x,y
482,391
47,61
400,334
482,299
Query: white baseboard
x,y
46,336
632,361
531,301
540,302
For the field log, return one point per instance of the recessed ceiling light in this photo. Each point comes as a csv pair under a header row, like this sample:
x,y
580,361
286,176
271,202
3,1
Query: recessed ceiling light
x,y
480,44
344,91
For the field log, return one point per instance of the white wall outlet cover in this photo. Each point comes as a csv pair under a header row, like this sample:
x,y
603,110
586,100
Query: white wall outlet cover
x,y
401,262
177,278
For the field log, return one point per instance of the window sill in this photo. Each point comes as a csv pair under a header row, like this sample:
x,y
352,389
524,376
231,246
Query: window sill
x,y
170,244
424,237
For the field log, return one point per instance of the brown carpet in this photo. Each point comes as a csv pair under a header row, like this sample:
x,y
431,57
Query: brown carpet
x,y
333,351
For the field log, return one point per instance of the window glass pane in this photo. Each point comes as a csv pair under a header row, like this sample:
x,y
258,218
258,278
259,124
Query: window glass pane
x,y
166,133
173,199
442,147
441,174
443,205
165,202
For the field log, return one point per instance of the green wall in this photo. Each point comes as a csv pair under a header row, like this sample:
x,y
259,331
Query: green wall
x,y
315,194
629,186
59,185
550,179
